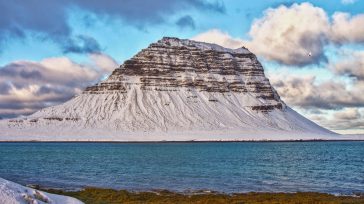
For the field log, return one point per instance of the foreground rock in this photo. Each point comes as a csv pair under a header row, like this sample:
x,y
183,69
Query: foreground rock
x,y
13,193
173,90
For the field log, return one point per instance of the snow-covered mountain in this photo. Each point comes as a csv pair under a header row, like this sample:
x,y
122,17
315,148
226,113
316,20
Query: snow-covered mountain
x,y
173,90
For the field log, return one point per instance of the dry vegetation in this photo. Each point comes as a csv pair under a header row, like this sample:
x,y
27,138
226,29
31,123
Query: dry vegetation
x,y
109,196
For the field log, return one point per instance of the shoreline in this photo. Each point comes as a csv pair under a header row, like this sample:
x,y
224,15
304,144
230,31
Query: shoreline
x,y
101,195
187,192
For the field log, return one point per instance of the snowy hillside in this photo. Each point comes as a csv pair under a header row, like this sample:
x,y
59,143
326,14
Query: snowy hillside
x,y
173,90
13,193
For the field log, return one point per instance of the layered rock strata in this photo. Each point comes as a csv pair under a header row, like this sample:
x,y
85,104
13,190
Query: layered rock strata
x,y
171,64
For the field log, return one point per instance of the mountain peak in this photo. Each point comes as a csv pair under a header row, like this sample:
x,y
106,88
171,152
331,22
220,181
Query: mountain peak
x,y
173,41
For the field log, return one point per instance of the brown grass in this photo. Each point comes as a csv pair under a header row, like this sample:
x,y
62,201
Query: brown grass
x,y
109,196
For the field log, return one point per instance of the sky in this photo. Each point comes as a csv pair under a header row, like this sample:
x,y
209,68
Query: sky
x,y
312,51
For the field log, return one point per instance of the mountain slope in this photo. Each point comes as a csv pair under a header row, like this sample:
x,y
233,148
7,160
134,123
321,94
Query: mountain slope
x,y
173,90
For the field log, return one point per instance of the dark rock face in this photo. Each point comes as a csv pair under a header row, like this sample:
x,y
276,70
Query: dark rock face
x,y
171,64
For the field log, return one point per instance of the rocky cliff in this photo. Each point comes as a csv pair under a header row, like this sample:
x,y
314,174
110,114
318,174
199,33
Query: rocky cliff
x,y
172,64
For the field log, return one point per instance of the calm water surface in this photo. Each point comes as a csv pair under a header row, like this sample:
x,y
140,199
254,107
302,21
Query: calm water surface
x,y
332,167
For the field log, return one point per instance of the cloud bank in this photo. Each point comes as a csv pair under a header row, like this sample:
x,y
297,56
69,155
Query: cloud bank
x,y
294,35
27,86
49,17
344,98
307,92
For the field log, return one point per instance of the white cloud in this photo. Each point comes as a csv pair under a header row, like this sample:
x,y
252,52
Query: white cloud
x,y
216,36
104,62
290,35
347,114
65,71
295,35
345,121
346,28
307,92
352,65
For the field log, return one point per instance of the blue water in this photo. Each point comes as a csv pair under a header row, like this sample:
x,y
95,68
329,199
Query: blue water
x,y
332,167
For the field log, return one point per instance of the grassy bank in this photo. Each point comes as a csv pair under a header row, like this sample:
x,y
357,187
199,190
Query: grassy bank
x,y
109,196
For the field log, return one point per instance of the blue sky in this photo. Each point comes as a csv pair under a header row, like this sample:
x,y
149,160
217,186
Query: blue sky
x,y
88,35
122,39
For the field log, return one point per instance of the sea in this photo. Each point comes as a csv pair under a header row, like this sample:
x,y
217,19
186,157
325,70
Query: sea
x,y
335,167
